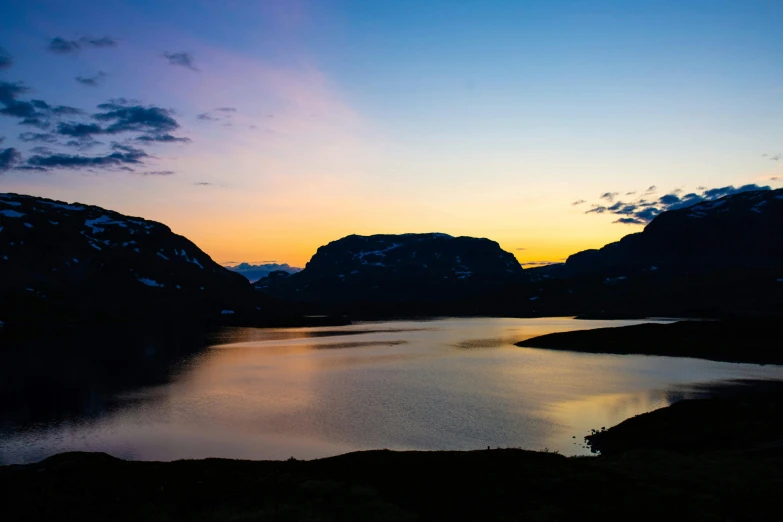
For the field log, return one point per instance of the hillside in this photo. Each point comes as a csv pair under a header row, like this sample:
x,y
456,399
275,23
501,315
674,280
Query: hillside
x,y
72,264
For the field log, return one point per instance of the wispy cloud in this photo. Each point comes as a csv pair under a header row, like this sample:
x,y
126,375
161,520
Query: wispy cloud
x,y
91,81
182,59
61,45
9,158
5,59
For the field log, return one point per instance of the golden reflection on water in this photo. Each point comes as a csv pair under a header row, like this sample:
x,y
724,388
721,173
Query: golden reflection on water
x,y
442,384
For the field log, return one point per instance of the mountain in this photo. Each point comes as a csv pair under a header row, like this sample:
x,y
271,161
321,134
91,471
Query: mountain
x,y
255,272
72,263
397,268
740,231
714,259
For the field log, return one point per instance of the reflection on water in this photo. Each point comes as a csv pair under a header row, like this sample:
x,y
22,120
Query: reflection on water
x,y
313,392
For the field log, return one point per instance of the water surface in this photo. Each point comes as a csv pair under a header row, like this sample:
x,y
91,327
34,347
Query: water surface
x,y
315,392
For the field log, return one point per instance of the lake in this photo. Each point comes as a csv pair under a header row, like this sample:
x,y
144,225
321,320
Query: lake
x,y
314,392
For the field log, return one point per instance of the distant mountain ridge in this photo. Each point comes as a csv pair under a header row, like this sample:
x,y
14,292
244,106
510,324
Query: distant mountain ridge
x,y
401,267
255,272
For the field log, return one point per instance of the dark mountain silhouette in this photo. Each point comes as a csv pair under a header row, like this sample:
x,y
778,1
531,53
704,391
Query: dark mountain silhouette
x,y
741,231
714,259
73,263
397,268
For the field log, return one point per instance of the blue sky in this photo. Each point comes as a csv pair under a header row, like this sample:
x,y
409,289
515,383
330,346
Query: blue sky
x,y
472,118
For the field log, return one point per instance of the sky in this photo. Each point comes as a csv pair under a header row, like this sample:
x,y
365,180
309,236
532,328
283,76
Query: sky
x,y
261,130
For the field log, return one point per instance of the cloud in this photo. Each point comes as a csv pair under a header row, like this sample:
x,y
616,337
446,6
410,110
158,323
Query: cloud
x,y
182,59
203,184
597,209
578,202
83,143
105,41
650,190
62,46
211,116
5,59
162,138
44,137
156,173
31,112
91,81
122,155
9,158
31,169
79,130
669,199
609,196
521,248
123,118
642,211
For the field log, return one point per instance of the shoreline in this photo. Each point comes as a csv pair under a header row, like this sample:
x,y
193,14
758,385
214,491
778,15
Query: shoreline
x,y
752,341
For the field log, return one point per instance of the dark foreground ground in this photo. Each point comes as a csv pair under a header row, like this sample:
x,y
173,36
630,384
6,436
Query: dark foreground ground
x,y
647,472
752,340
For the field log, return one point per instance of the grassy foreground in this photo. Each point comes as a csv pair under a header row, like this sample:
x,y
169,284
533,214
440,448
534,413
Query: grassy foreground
x,y
385,485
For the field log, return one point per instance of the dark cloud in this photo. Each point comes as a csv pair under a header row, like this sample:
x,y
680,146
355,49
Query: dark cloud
x,y
30,168
630,193
105,41
669,199
226,109
37,113
650,189
11,105
43,137
182,59
5,59
609,196
206,117
162,138
9,158
91,81
136,118
121,156
83,143
62,46
578,202
642,211
629,221
203,184
79,130
41,150
156,173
